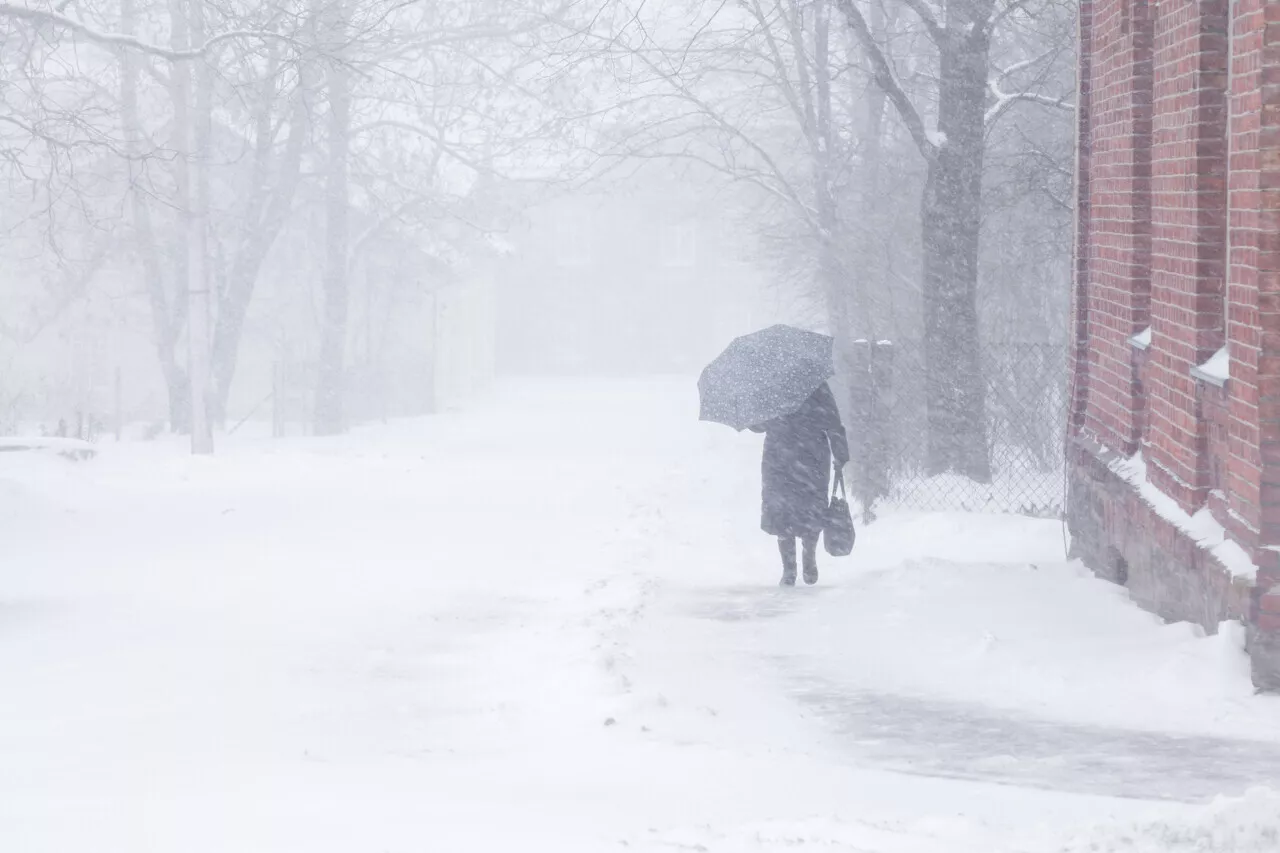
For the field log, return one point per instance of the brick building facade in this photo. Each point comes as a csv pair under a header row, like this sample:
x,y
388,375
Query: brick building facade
x,y
1174,438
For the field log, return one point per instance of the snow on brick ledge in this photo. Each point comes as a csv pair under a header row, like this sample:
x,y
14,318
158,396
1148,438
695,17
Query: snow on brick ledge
x,y
1202,527
1215,371
1142,340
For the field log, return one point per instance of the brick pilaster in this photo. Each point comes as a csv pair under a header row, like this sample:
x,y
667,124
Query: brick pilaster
x,y
1188,209
1253,289
1119,210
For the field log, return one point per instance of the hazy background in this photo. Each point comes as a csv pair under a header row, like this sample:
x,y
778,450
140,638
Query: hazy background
x,y
318,213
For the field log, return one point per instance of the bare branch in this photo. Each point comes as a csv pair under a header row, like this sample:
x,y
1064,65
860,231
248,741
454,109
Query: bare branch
x,y
925,14
110,39
1008,10
803,111
887,82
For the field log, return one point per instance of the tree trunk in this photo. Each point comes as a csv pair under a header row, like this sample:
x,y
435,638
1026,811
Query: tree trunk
x,y
267,219
180,409
166,324
951,216
329,415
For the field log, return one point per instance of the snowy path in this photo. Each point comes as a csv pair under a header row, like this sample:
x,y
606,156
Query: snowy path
x,y
550,624
946,739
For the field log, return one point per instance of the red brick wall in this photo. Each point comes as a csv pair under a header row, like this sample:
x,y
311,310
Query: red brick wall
x,y
1117,138
1254,314
1153,239
1179,228
1188,210
1244,483
1266,296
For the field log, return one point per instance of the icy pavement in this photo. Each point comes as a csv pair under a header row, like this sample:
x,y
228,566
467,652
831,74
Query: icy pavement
x,y
550,623
943,739
967,740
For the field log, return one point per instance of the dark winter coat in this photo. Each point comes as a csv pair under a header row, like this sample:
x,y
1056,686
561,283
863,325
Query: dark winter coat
x,y
798,451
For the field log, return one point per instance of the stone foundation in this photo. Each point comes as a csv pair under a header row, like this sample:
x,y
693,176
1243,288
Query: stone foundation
x,y
1124,540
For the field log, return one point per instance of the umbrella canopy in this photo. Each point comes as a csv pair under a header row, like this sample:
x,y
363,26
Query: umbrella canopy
x,y
764,375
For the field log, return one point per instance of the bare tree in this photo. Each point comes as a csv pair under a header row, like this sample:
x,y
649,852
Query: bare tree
x,y
329,417
252,222
167,312
951,208
412,92
185,305
745,91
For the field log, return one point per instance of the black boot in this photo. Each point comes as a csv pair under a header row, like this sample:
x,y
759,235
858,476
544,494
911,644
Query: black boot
x,y
787,547
811,560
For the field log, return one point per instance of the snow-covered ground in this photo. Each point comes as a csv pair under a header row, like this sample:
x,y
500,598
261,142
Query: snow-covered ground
x,y
550,623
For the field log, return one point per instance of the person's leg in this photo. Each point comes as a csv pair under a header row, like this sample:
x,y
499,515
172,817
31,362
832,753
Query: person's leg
x,y
811,559
787,548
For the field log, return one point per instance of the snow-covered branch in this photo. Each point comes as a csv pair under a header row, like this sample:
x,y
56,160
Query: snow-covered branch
x,y
885,79
1005,100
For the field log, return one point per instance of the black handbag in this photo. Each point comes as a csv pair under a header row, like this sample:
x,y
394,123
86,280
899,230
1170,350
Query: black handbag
x,y
837,530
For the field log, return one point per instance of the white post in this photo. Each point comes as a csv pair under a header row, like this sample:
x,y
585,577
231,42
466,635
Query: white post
x,y
198,307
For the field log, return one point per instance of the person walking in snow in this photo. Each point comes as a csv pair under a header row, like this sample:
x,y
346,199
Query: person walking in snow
x,y
799,449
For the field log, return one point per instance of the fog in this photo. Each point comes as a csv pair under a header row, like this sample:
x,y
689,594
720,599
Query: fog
x,y
637,276
329,213
361,488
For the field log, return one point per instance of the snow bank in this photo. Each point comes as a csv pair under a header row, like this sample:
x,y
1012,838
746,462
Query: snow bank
x,y
1048,640
1248,824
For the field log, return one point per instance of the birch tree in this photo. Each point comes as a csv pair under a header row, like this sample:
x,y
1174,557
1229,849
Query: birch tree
x,y
329,417
192,107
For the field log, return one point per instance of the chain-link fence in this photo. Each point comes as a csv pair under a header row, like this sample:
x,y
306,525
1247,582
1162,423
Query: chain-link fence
x,y
1026,407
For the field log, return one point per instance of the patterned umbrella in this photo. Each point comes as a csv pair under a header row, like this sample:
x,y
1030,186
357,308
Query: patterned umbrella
x,y
764,375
